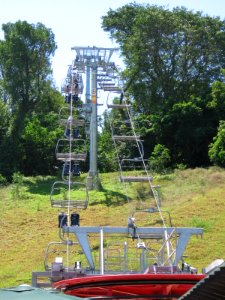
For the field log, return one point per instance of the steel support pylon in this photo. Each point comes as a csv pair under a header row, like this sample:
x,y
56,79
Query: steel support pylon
x,y
93,61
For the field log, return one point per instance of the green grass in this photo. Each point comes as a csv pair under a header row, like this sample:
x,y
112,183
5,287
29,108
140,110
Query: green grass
x,y
194,198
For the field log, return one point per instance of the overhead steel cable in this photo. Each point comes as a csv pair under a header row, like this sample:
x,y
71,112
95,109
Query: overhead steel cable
x,y
149,178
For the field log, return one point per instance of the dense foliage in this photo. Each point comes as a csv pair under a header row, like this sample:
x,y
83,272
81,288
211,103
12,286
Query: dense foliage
x,y
172,59
217,148
29,99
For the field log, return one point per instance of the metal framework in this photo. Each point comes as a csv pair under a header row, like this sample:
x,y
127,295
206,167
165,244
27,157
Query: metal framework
x,y
96,63
183,236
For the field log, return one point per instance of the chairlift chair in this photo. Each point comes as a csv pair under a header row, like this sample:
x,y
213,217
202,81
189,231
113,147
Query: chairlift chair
x,y
56,250
115,89
76,119
66,194
119,106
71,150
70,169
138,164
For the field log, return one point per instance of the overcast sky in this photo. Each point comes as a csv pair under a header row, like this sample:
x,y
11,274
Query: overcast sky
x,y
78,22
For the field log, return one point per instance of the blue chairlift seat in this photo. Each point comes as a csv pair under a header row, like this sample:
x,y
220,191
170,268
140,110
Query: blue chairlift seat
x,y
76,134
70,170
76,169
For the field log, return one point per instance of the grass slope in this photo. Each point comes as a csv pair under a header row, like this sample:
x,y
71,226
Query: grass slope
x,y
194,198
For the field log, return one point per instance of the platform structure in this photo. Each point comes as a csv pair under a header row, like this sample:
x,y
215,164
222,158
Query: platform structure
x,y
144,233
119,257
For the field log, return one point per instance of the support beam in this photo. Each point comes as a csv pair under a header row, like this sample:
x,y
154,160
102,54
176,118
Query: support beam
x,y
84,243
154,233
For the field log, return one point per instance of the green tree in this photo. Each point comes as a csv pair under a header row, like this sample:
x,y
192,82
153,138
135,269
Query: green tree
x,y
107,160
27,88
39,140
4,120
217,148
177,53
160,158
217,102
172,58
25,63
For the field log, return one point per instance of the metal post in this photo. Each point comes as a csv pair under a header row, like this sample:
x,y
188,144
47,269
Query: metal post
x,y
88,86
101,252
88,103
95,60
125,257
93,172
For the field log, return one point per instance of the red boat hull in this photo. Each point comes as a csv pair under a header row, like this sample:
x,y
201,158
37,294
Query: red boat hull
x,y
130,286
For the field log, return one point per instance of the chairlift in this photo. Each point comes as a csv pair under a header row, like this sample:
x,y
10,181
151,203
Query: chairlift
x,y
136,178
75,119
119,106
136,163
70,170
68,98
56,252
76,169
73,83
74,135
66,86
66,169
67,150
75,98
122,128
136,138
66,194
115,89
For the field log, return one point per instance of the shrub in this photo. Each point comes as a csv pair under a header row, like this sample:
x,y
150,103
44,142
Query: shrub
x,y
160,158
3,180
17,186
217,148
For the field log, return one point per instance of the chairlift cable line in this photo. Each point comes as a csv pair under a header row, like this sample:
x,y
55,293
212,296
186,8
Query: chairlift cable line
x,y
151,186
70,157
146,171
117,154
145,168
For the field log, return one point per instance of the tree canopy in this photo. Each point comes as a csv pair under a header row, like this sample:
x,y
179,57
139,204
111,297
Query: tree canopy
x,y
176,53
172,59
25,63
26,90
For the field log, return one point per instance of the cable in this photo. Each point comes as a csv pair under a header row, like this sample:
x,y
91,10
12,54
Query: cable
x,y
117,154
154,192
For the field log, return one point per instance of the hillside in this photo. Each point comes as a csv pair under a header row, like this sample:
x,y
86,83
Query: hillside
x,y
193,197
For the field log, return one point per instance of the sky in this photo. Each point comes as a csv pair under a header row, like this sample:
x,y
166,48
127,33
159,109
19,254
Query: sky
x,y
78,22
